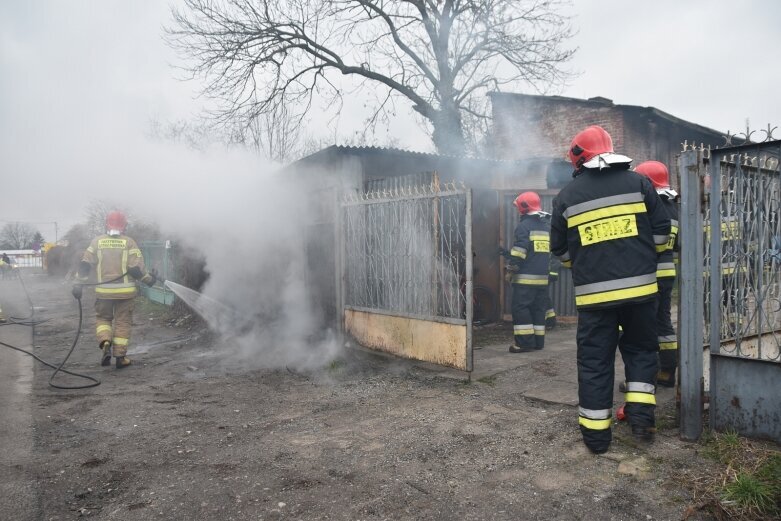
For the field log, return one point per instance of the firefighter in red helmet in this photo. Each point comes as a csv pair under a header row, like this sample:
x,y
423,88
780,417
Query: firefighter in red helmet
x,y
609,226
119,264
665,273
529,260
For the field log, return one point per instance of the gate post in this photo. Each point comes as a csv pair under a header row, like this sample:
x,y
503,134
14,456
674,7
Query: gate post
x,y
469,282
691,296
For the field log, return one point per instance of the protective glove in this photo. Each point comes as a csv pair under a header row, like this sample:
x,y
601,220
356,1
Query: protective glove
x,y
150,278
76,291
508,276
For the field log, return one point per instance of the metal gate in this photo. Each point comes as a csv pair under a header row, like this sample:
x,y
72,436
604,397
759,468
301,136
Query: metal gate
x,y
406,275
731,288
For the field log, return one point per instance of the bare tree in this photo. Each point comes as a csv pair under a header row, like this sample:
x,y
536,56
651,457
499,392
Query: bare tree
x,y
262,57
17,236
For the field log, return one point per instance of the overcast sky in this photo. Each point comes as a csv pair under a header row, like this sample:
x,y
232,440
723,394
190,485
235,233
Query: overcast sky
x,y
80,82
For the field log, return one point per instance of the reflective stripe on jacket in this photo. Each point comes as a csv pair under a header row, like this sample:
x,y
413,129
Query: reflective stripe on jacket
x,y
610,225
666,261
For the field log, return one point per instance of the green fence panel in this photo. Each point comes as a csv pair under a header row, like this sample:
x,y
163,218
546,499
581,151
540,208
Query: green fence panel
x,y
159,255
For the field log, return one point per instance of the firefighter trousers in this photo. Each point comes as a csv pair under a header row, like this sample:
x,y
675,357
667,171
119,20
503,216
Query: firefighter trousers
x,y
597,337
550,313
668,342
529,304
114,318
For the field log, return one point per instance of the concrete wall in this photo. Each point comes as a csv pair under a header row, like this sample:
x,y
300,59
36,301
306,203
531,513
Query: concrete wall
x,y
440,343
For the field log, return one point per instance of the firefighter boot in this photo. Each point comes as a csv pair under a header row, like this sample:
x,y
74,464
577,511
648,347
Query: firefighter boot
x,y
644,435
105,359
122,362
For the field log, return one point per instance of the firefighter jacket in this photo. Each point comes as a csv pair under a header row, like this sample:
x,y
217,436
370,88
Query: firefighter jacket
x,y
112,256
609,226
669,257
530,254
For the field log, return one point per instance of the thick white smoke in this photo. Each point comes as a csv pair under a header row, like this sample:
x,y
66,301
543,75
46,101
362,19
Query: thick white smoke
x,y
248,223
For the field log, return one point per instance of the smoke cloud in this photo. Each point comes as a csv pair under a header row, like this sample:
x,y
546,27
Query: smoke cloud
x,y
79,87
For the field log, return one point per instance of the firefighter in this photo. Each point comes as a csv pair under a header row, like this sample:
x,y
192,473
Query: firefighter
x,y
608,226
528,261
665,273
119,264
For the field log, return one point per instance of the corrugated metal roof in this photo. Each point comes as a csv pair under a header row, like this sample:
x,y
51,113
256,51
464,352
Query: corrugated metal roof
x,y
358,150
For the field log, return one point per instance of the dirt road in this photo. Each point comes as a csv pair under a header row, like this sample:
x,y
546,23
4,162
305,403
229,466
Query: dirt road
x,y
179,436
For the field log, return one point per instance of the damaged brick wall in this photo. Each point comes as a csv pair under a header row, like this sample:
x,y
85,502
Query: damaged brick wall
x,y
528,126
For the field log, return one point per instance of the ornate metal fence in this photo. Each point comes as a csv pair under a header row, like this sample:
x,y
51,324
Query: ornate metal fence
x,y
405,255
731,287
744,207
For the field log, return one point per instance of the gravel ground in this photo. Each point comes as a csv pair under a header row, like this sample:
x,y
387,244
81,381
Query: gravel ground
x,y
180,436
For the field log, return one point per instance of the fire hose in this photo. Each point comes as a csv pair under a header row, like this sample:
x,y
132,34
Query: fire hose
x,y
31,322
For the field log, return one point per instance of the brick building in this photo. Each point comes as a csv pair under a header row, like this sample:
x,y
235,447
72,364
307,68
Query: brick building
x,y
543,126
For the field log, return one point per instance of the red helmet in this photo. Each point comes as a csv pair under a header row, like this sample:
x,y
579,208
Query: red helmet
x,y
588,143
116,221
528,202
656,172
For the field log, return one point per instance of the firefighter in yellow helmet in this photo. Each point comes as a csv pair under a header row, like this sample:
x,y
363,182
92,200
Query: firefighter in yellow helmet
x,y
118,265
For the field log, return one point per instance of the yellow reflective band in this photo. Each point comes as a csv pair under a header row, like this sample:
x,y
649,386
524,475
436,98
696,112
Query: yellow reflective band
x,y
115,291
567,263
660,247
518,252
601,213
534,282
673,235
618,294
91,249
124,266
119,341
99,269
595,425
518,332
550,314
134,251
104,244
668,346
640,398
540,332
665,273
103,327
